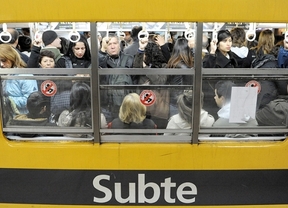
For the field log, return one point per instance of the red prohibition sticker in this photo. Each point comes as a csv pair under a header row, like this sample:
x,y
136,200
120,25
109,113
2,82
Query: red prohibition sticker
x,y
147,97
254,83
48,88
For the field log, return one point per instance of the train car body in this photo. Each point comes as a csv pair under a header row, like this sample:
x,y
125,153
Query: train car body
x,y
142,170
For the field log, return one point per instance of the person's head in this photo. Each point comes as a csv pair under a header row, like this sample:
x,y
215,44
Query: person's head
x,y
24,43
154,56
80,97
10,58
184,103
50,38
38,105
224,43
223,91
128,37
14,36
181,53
47,59
113,46
132,110
79,49
64,45
266,41
239,37
134,32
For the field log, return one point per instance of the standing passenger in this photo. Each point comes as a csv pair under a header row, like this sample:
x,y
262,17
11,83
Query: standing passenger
x,y
111,99
79,53
15,89
133,48
182,58
241,52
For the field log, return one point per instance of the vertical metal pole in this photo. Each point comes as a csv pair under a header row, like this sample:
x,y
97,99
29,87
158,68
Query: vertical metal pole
x,y
94,83
197,84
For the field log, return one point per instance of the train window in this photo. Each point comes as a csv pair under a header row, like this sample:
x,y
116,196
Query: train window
x,y
144,82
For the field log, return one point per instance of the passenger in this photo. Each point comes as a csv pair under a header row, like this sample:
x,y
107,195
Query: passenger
x,y
266,57
265,49
222,98
15,89
132,115
241,52
14,43
164,46
79,114
183,120
52,43
79,54
150,56
283,55
111,99
133,48
220,56
182,58
25,44
103,50
38,106
64,45
220,52
128,38
61,100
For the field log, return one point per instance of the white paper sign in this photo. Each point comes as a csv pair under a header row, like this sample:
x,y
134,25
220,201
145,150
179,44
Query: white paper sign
x,y
243,104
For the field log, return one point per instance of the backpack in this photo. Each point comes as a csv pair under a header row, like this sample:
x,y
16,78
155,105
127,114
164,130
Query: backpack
x,y
274,113
264,61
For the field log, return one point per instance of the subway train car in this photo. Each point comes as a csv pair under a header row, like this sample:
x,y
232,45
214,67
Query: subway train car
x,y
92,164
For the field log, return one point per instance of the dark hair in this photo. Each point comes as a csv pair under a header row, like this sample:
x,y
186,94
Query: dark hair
x,y
80,104
134,32
224,88
64,45
153,56
181,53
47,53
238,36
87,55
24,43
222,34
35,104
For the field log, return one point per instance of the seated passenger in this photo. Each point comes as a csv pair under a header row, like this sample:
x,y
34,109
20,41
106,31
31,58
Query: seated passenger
x,y
15,89
222,98
183,120
79,114
132,115
38,106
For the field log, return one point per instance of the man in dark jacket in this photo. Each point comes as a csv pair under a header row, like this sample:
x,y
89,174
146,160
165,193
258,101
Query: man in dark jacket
x,y
112,98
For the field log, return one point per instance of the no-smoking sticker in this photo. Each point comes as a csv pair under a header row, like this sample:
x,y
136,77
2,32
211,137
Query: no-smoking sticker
x,y
48,88
147,97
254,83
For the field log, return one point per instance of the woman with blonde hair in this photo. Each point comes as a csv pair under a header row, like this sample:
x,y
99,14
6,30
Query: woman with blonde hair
x,y
132,115
16,90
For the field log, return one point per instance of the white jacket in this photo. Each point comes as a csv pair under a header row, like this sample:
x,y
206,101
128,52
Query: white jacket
x,y
176,122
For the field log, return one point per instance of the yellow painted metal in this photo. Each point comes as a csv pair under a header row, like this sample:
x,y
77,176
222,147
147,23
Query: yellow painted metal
x,y
144,10
208,156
